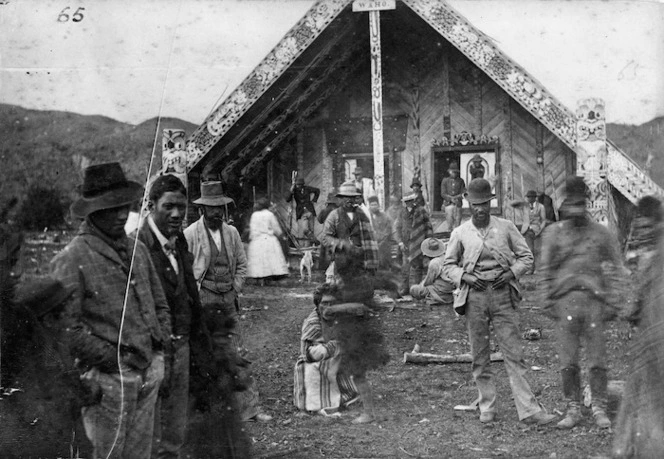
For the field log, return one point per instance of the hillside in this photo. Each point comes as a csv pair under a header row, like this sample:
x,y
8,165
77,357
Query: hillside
x,y
640,142
50,147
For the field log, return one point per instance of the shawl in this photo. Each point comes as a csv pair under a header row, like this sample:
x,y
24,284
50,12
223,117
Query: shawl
x,y
413,229
339,227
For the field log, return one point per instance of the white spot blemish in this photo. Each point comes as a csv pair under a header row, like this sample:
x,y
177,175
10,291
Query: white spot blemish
x,y
593,325
569,317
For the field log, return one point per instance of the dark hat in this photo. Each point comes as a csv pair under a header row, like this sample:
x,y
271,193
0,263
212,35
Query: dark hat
x,y
41,295
358,170
299,181
104,187
348,189
453,166
575,188
212,194
432,247
476,158
416,182
409,197
372,199
531,194
479,191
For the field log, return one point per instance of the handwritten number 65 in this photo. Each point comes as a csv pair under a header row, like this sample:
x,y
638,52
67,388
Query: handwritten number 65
x,y
76,17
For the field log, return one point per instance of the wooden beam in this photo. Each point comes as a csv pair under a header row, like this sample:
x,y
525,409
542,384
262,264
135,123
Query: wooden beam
x,y
425,358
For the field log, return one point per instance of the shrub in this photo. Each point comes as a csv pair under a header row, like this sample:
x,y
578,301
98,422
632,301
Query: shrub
x,y
41,209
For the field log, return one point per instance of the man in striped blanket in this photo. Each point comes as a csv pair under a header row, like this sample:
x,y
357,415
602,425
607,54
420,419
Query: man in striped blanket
x,y
411,228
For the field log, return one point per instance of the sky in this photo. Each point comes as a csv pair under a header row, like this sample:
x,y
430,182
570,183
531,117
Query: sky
x,y
135,60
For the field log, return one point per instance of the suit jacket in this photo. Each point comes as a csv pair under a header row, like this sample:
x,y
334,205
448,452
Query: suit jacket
x,y
303,199
185,305
199,245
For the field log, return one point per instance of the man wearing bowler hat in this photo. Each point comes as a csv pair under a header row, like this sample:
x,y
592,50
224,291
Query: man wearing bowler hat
x,y
117,320
220,268
485,258
451,190
436,288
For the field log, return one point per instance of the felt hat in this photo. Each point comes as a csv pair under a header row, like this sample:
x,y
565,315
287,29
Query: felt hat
x,y
575,188
372,198
531,194
453,166
416,182
476,158
41,295
358,170
104,187
409,197
432,247
348,189
479,191
331,198
299,181
212,194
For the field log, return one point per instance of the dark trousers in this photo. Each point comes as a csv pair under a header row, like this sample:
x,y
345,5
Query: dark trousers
x,y
411,272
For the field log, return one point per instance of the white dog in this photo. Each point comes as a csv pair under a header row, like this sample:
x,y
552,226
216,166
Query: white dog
x,y
306,263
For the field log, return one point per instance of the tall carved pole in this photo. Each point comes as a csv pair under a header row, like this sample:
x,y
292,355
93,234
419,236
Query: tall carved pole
x,y
374,7
591,156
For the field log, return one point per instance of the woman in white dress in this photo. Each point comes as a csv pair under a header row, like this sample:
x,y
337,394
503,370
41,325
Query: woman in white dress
x,y
265,256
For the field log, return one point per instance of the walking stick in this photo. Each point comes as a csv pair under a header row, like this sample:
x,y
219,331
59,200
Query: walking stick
x,y
290,209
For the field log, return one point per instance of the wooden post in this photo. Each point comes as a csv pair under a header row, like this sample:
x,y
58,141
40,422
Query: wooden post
x,y
591,154
174,157
374,7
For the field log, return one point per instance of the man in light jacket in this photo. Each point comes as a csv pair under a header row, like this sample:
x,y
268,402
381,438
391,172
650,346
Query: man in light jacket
x,y
485,258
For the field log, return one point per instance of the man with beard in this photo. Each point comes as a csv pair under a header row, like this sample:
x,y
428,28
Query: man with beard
x,y
220,268
485,258
162,234
410,229
117,320
581,271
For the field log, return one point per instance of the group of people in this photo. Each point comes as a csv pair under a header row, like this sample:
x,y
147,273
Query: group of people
x,y
139,308
142,312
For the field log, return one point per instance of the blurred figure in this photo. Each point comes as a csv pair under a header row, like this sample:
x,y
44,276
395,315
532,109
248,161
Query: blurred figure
x,y
476,167
305,197
549,210
639,428
410,229
451,190
485,258
394,209
265,258
364,184
534,222
382,226
436,288
416,186
581,269
324,260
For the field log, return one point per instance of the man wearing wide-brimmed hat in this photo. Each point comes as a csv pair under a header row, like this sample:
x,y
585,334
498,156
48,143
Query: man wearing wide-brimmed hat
x,y
410,229
581,272
485,258
220,268
416,186
117,327
436,288
451,190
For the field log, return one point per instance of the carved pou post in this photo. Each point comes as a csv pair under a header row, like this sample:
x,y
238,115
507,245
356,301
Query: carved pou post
x,y
591,156
174,155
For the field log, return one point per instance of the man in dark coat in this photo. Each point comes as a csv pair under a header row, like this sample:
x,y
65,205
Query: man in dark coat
x,y
161,232
305,197
410,229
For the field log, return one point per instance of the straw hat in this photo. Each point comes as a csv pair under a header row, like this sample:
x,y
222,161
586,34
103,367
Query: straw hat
x,y
432,247
212,194
348,189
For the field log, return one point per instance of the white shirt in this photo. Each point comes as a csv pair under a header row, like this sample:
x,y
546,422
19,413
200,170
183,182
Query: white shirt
x,y
163,241
216,237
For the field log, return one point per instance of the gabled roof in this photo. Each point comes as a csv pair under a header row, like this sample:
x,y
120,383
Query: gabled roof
x,y
296,98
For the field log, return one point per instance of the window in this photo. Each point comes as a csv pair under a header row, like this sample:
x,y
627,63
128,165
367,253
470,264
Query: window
x,y
486,156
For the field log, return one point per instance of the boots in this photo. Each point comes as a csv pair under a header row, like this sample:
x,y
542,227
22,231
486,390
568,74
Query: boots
x,y
572,417
598,383
572,393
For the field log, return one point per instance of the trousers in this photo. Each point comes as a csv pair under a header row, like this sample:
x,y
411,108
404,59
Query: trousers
x,y
120,425
452,216
495,306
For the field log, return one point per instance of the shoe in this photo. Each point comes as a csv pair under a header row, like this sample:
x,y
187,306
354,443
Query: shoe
x,y
601,419
486,417
364,418
569,421
541,419
261,417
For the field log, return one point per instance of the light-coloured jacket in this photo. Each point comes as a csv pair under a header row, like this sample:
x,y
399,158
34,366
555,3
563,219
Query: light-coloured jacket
x,y
503,240
199,245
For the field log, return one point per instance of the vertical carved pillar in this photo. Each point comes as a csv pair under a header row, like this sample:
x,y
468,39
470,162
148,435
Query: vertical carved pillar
x,y
377,107
174,156
300,151
591,156
328,165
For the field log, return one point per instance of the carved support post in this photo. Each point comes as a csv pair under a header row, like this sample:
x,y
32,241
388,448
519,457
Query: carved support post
x,y
377,107
174,157
591,153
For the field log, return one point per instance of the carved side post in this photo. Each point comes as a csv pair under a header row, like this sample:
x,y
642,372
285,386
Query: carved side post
x,y
377,107
174,156
591,154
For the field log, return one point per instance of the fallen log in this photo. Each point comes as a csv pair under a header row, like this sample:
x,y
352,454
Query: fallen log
x,y
425,358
